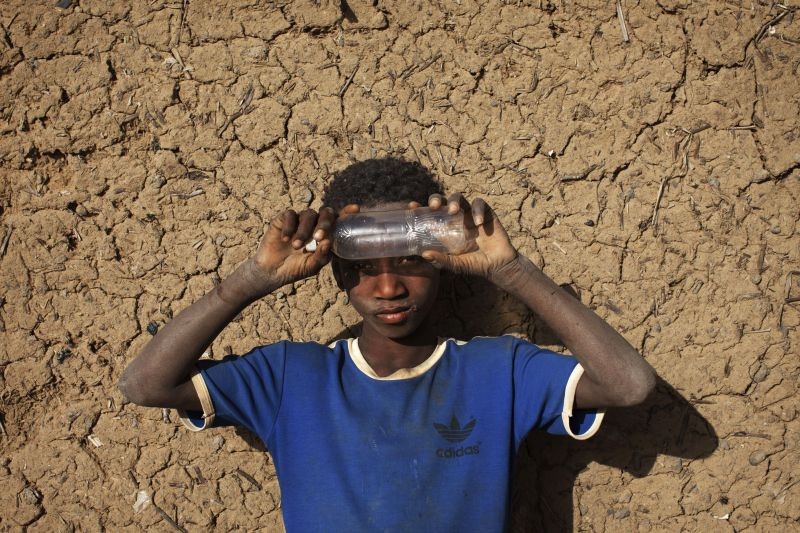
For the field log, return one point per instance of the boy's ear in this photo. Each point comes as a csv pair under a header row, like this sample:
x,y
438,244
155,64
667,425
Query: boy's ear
x,y
338,272
346,278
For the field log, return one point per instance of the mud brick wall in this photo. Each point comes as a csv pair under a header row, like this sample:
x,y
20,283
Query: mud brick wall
x,y
144,145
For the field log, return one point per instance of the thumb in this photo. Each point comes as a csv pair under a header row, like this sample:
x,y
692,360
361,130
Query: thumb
x,y
321,255
437,259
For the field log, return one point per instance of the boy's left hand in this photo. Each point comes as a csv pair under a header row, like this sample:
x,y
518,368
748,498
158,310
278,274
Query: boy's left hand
x,y
494,248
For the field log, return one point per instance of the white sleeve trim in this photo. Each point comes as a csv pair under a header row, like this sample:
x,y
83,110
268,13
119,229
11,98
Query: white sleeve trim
x,y
205,401
569,401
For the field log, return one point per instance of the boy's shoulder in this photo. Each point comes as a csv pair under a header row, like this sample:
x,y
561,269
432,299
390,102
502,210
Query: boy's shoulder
x,y
278,351
296,346
502,344
310,349
501,348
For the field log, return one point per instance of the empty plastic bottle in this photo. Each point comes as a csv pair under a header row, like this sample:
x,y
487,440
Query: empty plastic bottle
x,y
377,234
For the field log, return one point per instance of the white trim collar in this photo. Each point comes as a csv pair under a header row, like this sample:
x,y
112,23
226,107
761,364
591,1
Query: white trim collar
x,y
404,373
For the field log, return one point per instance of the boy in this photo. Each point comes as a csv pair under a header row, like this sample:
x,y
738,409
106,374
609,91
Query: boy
x,y
397,430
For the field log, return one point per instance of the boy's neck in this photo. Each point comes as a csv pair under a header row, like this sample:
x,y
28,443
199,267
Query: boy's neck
x,y
386,355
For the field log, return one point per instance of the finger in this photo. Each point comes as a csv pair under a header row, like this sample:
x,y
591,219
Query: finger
x,y
479,208
289,225
435,201
414,205
308,219
455,203
324,223
490,222
349,209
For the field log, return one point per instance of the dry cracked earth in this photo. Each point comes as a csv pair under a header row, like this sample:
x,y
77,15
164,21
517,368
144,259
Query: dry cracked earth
x,y
144,145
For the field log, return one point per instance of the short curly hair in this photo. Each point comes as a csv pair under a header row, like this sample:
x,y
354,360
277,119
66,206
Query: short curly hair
x,y
378,181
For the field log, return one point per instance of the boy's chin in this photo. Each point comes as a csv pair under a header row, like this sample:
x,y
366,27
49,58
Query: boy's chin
x,y
398,331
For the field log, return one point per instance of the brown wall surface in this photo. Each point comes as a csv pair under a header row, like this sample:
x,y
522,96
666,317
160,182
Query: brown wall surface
x,y
144,145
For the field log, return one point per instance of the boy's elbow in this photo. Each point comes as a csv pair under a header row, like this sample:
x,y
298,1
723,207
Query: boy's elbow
x,y
640,386
129,391
133,392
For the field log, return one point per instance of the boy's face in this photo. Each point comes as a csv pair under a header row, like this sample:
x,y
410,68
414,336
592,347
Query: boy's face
x,y
394,295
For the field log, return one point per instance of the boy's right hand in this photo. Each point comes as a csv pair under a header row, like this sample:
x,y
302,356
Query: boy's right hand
x,y
282,256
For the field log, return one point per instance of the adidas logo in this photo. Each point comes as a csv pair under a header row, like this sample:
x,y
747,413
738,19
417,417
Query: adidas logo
x,y
454,432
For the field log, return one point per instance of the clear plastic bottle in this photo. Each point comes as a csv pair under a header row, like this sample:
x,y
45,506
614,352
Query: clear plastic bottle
x,y
375,234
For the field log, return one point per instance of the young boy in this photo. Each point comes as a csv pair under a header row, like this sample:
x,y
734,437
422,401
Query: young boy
x,y
397,430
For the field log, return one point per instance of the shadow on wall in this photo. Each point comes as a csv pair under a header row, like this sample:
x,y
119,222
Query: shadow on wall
x,y
631,440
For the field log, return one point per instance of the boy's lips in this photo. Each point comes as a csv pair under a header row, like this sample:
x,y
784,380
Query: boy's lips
x,y
395,315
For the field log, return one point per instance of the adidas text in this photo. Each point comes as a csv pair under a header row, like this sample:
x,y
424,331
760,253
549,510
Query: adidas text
x,y
450,453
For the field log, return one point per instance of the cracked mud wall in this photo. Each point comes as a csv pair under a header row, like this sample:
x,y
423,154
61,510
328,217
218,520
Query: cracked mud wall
x,y
143,147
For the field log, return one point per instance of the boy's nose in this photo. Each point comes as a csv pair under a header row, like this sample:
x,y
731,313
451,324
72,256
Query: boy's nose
x,y
389,286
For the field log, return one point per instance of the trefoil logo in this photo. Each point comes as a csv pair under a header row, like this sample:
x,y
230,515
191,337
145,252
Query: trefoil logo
x,y
454,432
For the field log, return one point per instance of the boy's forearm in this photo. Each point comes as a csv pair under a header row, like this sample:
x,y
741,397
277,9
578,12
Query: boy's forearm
x,y
619,375
167,360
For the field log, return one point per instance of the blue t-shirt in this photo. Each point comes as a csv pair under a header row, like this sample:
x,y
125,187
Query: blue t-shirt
x,y
427,449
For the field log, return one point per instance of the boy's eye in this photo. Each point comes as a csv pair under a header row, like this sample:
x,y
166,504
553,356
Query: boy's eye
x,y
362,266
405,263
410,260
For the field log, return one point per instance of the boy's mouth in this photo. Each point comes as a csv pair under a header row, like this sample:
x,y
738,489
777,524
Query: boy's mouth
x,y
395,315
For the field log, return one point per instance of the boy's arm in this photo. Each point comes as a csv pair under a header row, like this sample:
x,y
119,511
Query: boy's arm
x,y
614,372
160,375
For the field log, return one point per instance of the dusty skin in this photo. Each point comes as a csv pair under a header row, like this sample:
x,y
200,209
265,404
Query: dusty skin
x,y
144,144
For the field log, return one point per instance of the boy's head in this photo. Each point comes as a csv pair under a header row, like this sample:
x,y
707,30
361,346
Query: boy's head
x,y
380,181
393,295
